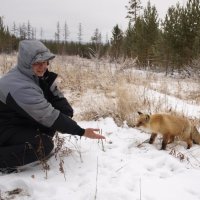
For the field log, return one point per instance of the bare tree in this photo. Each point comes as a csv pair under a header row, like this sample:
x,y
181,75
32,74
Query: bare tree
x,y
80,33
66,32
96,40
14,30
57,33
33,33
29,31
23,31
41,33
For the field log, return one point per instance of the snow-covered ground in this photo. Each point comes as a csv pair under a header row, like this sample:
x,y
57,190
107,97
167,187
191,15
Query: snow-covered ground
x,y
122,167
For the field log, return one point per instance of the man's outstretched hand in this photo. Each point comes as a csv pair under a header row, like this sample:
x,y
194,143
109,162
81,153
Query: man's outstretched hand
x,y
90,133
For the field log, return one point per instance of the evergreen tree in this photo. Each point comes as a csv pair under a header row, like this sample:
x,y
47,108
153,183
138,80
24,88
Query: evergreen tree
x,y
128,45
172,34
7,41
196,45
139,41
151,29
133,10
2,34
116,42
191,27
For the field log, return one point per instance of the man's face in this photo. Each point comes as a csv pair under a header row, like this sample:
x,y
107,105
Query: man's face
x,y
40,68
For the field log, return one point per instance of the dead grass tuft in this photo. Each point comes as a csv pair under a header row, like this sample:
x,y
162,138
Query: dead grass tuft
x,y
116,90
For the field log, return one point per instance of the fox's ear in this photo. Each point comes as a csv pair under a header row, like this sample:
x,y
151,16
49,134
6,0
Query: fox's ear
x,y
139,113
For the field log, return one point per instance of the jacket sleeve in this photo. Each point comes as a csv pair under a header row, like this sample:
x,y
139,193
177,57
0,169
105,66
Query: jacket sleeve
x,y
54,95
65,124
63,105
30,103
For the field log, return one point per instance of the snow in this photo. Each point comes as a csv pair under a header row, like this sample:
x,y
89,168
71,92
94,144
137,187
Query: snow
x,y
122,167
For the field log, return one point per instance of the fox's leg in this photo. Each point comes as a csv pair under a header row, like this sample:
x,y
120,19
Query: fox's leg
x,y
165,141
189,143
171,139
152,138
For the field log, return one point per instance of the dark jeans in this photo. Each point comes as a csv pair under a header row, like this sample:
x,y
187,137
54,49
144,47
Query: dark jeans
x,y
26,145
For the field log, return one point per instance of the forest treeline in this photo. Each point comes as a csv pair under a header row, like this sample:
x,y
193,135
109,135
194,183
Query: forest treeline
x,y
171,42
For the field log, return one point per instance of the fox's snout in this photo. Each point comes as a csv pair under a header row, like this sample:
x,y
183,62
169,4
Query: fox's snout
x,y
138,124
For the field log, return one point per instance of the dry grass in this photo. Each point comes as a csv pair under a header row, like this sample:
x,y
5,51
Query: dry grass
x,y
6,62
102,89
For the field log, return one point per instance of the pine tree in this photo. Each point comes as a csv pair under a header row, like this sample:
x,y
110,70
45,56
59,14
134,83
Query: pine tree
x,y
128,45
133,10
151,29
7,41
140,41
116,42
2,34
191,27
173,35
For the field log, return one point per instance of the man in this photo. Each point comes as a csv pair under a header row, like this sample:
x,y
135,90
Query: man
x,y
32,109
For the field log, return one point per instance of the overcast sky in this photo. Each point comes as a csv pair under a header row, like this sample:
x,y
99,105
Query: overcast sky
x,y
92,14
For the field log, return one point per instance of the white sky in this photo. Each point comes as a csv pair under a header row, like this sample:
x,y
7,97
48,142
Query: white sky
x,y
92,14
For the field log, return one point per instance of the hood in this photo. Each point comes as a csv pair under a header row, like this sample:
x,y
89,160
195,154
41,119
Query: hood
x,y
32,51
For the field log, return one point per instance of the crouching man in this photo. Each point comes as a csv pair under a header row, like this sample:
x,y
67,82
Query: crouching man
x,y
32,109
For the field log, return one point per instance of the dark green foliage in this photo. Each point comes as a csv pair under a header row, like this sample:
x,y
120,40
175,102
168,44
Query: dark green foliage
x,y
7,41
171,44
181,33
141,37
128,45
116,43
133,10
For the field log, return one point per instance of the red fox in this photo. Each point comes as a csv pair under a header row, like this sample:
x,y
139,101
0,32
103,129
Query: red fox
x,y
169,126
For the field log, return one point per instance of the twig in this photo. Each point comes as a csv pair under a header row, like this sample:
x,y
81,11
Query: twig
x,y
61,167
146,141
39,153
189,152
77,148
103,149
0,196
95,197
120,168
140,189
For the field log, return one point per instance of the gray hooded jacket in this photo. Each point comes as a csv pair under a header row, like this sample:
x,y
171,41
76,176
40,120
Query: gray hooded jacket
x,y
23,99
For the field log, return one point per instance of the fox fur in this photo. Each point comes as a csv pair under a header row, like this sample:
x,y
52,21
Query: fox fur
x,y
169,126
195,135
